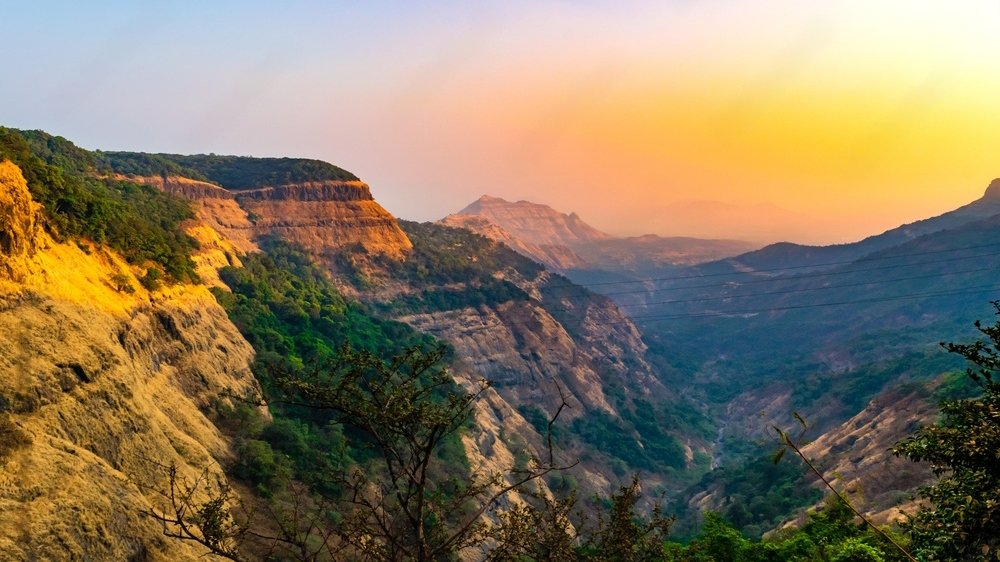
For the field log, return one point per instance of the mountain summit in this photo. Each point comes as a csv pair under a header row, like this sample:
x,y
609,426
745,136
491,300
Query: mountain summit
x,y
993,190
565,242
534,222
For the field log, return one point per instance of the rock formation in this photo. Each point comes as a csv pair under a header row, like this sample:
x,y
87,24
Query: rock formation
x,y
19,220
531,222
324,217
107,388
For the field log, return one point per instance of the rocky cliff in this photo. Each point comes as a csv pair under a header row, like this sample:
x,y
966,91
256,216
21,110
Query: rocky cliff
x,y
325,217
321,216
531,222
104,387
554,256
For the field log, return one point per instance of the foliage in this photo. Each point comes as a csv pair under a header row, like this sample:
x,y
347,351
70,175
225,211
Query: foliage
x,y
289,311
444,255
618,438
484,292
231,172
140,222
624,536
295,319
829,534
962,519
759,494
122,283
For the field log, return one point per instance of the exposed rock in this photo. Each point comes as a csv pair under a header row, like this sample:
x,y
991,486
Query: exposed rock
x,y
856,455
324,217
534,223
109,387
312,191
554,256
19,220
215,208
993,190
564,242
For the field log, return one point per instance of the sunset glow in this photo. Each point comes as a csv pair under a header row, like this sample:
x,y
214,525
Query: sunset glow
x,y
818,122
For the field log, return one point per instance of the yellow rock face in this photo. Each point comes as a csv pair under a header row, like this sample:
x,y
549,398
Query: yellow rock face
x,y
109,386
18,220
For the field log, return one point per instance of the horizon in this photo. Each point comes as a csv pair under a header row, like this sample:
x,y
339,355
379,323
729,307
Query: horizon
x,y
730,119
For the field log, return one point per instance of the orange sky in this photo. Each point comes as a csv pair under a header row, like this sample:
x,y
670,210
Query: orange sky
x,y
825,126
811,121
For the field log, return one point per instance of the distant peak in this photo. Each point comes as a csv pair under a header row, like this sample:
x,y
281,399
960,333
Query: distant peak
x,y
993,191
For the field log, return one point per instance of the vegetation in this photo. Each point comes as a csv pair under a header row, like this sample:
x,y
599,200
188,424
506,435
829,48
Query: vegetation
x,y
759,493
830,534
231,172
963,518
619,438
138,221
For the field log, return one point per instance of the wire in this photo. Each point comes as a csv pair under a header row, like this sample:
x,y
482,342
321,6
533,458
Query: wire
x,y
785,279
809,289
777,269
968,290
745,312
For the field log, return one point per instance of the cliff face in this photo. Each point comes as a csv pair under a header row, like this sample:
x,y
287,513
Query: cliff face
x,y
18,220
321,216
325,217
856,455
554,256
531,222
530,354
108,387
546,342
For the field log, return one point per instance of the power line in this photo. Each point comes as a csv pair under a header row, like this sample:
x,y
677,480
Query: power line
x,y
968,290
745,312
778,269
810,289
786,279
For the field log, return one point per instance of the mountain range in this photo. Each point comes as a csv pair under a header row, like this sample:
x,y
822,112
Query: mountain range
x,y
151,305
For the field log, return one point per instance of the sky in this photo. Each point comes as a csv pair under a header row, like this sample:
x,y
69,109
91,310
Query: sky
x,y
817,122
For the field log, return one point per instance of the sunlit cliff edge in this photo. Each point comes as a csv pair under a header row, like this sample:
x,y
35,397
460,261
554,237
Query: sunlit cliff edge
x,y
108,388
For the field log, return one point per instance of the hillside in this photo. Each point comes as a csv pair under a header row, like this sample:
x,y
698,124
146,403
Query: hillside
x,y
101,383
788,254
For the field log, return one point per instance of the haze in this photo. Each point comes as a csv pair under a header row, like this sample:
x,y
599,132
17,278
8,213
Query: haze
x,y
815,122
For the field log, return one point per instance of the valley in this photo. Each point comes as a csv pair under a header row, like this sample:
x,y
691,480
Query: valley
x,y
200,303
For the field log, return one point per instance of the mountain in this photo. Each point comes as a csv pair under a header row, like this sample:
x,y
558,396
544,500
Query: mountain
x,y
567,244
786,253
100,383
143,294
534,223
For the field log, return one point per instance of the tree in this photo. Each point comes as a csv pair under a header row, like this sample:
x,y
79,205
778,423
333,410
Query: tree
x,y
962,521
405,502
406,506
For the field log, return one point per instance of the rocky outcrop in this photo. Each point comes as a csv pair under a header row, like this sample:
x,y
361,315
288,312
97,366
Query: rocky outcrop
x,y
312,191
993,190
564,242
107,388
530,354
19,220
553,256
325,217
534,223
857,454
